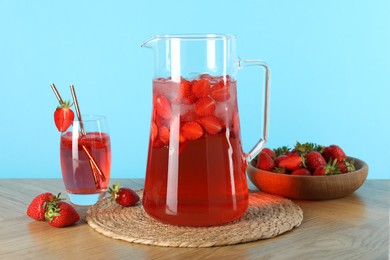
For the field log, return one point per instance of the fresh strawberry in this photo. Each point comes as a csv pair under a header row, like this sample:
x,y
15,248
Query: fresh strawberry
x,y
328,169
205,106
301,172
291,162
163,107
346,166
305,148
279,158
201,88
212,124
36,209
192,130
313,160
320,171
61,214
270,152
221,91
125,197
63,116
265,162
281,170
283,150
342,167
334,152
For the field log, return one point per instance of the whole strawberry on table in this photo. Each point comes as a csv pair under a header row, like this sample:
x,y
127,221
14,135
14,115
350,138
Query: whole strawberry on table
x,y
125,197
307,159
52,209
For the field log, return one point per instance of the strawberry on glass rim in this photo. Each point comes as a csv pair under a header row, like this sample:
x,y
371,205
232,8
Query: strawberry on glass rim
x,y
63,116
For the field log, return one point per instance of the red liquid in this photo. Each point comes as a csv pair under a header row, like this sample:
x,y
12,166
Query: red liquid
x,y
200,182
75,164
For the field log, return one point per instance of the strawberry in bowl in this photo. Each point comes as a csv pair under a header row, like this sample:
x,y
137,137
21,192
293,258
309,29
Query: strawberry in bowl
x,y
307,172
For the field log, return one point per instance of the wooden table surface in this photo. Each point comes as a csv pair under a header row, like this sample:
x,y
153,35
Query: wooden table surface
x,y
354,227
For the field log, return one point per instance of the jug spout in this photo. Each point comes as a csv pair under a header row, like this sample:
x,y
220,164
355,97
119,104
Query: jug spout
x,y
150,42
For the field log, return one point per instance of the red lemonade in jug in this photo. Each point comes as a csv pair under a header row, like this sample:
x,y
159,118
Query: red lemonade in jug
x,y
195,172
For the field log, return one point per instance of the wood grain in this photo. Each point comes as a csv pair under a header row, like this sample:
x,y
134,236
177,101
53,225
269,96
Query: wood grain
x,y
354,227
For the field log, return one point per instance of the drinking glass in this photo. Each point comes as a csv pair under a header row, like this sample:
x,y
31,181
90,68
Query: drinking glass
x,y
85,152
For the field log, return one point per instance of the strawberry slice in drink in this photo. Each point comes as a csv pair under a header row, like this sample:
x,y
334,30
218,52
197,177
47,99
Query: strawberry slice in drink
x,y
212,124
201,88
191,130
153,131
163,107
236,123
185,93
205,106
221,91
163,134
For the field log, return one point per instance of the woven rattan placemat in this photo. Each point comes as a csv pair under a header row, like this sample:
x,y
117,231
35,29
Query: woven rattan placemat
x,y
267,216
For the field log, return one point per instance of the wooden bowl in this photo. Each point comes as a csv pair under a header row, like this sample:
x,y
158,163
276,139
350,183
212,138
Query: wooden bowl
x,y
309,187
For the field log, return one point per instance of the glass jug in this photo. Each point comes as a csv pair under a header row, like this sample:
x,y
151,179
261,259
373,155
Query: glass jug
x,y
196,168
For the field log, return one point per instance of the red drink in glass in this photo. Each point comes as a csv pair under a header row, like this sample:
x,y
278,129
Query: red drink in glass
x,y
75,164
195,172
85,153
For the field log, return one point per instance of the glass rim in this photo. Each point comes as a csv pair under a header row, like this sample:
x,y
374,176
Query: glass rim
x,y
89,118
196,36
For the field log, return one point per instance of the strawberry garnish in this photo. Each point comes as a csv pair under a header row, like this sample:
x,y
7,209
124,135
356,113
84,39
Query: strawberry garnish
x,y
220,91
205,106
212,124
63,116
61,214
201,88
191,130
163,107
125,197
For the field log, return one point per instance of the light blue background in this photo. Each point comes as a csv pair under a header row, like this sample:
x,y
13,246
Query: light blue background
x,y
330,64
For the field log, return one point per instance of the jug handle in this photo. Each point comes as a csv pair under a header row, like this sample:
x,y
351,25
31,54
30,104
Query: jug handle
x,y
260,144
